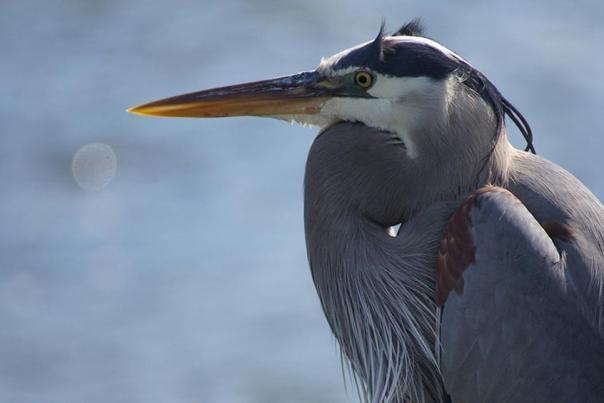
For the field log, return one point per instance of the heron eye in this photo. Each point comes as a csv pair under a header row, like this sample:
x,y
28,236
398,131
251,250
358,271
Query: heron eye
x,y
363,79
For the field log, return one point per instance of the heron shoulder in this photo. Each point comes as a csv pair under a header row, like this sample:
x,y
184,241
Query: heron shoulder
x,y
517,314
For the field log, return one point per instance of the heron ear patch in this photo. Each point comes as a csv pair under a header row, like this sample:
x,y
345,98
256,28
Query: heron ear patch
x,y
412,28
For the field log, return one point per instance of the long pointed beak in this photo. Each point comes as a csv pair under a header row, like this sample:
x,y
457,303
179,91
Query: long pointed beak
x,y
299,94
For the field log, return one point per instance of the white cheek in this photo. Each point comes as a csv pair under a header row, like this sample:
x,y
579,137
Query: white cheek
x,y
384,114
367,110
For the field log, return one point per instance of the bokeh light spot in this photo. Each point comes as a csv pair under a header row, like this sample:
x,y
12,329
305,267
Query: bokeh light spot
x,y
94,166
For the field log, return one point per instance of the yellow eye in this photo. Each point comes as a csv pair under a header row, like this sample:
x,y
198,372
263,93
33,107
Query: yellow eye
x,y
363,79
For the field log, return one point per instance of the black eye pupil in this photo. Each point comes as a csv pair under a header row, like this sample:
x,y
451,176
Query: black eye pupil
x,y
363,79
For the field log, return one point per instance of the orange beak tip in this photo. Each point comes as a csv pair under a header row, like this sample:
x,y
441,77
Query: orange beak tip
x,y
137,110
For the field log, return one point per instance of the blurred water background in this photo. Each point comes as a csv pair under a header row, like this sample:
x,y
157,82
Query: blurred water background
x,y
185,278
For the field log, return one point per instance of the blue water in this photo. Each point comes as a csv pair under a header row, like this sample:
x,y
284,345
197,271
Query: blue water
x,y
185,279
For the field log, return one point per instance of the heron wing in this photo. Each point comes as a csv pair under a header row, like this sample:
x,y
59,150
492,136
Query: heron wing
x,y
511,330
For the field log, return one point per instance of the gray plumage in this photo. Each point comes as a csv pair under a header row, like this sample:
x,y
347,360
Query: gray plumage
x,y
376,290
528,326
412,134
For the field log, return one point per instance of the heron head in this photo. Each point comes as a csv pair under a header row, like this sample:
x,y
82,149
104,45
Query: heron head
x,y
402,83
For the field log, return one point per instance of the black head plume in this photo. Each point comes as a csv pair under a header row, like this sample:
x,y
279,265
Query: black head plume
x,y
521,123
376,47
412,28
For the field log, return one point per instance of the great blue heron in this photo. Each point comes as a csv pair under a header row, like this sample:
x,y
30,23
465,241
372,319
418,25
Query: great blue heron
x,y
493,288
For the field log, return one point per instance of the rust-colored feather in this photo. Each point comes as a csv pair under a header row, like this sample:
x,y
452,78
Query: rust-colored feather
x,y
457,249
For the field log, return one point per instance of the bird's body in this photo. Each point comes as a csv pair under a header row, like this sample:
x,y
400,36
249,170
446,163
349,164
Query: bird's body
x,y
529,325
493,288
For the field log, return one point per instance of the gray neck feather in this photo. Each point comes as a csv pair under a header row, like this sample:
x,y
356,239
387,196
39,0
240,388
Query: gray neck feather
x,y
377,294
456,143
377,291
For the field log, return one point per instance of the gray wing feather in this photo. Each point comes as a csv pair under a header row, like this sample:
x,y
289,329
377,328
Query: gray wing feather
x,y
515,333
552,194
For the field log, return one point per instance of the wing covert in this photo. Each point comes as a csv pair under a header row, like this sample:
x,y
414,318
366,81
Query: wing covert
x,y
511,330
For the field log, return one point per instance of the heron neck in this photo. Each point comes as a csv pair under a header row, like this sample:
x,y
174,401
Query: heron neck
x,y
377,293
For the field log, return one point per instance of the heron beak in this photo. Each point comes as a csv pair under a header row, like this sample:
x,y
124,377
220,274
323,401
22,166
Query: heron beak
x,y
299,94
